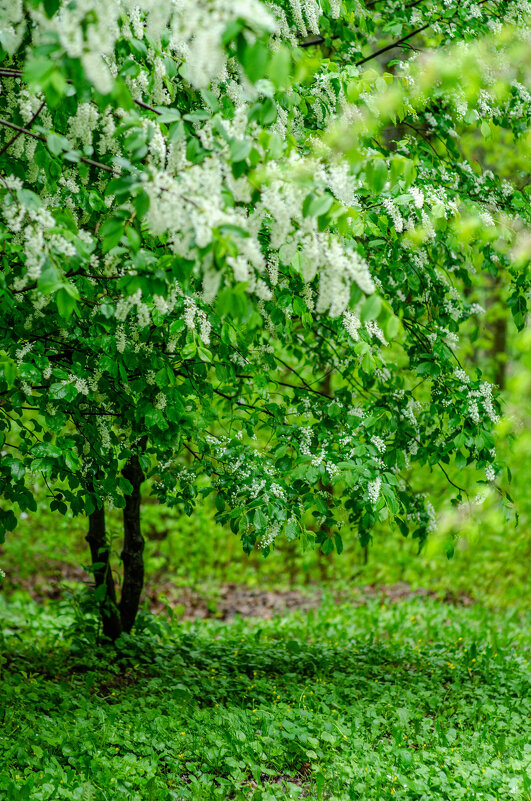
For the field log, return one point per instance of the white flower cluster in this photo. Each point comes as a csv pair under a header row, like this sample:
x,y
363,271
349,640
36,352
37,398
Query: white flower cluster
x,y
352,324
160,401
305,441
193,312
473,412
374,330
461,376
398,220
89,31
270,536
191,206
379,444
34,227
482,396
373,490
418,196
432,517
490,473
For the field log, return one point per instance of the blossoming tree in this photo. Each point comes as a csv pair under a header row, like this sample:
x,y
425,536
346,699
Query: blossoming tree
x,y
239,240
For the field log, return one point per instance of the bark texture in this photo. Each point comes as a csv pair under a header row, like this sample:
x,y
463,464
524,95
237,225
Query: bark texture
x,y
100,556
132,554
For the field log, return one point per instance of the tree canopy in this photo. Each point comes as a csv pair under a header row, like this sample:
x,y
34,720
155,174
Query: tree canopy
x,y
239,242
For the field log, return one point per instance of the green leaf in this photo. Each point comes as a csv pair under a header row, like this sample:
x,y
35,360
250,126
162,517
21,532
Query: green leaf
x,y
327,546
259,520
66,302
50,7
391,327
279,67
377,174
46,450
189,351
291,530
371,308
29,199
169,115
254,59
57,144
240,149
155,417
60,391
49,280
404,530
38,70
16,468
316,205
268,112
211,100
8,369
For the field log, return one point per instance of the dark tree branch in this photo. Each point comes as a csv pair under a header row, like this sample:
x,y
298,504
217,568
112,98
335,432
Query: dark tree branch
x,y
19,133
392,45
85,160
9,73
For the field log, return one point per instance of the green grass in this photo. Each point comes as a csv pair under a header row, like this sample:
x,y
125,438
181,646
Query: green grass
x,y
417,700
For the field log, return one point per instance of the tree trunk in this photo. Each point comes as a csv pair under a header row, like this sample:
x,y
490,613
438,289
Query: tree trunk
x,y
132,554
100,555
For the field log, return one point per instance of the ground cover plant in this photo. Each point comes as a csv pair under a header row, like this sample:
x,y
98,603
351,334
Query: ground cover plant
x,y
416,700
240,243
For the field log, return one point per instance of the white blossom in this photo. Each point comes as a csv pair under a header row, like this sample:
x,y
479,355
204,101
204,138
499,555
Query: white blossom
x,y
373,490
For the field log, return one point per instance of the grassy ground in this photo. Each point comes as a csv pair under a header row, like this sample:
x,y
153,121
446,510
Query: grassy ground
x,y
414,700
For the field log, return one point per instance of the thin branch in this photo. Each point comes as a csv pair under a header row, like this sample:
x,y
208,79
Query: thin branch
x,y
461,489
393,44
314,41
303,389
234,399
85,160
9,73
15,136
148,107
197,456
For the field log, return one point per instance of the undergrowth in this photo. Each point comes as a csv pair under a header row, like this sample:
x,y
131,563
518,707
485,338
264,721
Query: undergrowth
x,y
413,701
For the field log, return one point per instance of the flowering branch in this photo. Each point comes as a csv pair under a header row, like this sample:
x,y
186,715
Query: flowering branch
x,y
85,160
30,123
